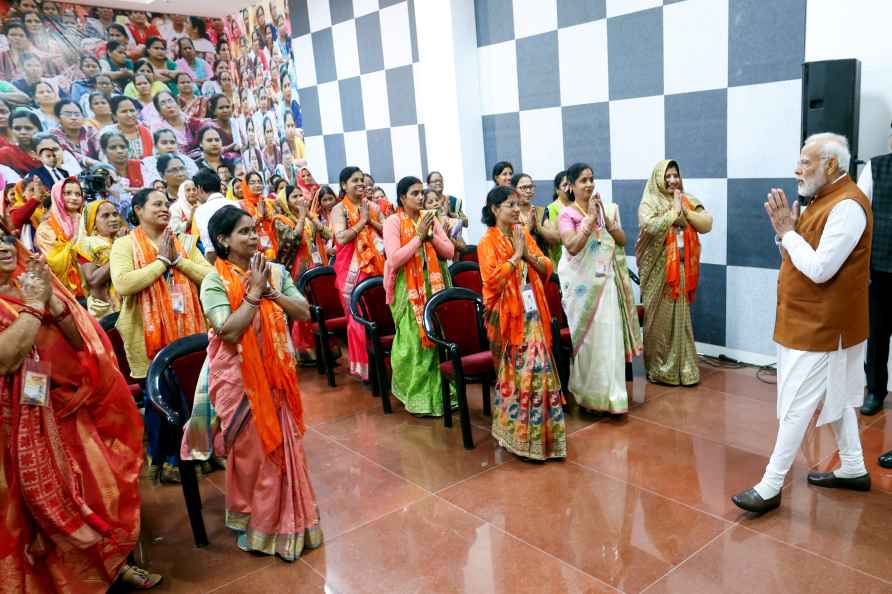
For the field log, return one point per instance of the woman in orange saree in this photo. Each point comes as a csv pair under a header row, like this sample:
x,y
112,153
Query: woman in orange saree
x,y
262,209
357,226
70,441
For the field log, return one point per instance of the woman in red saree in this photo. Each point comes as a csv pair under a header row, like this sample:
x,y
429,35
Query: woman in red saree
x,y
357,226
70,441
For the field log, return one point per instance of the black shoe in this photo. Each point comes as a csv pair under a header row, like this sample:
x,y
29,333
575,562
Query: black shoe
x,y
831,481
885,460
872,404
751,501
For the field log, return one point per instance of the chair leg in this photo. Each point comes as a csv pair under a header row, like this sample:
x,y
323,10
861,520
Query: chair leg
x,y
464,413
487,400
374,379
189,480
629,373
447,401
384,382
326,360
320,360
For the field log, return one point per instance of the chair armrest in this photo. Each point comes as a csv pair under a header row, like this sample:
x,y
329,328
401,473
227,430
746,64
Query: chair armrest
x,y
153,387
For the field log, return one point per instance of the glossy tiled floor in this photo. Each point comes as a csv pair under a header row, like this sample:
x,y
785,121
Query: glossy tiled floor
x,y
640,505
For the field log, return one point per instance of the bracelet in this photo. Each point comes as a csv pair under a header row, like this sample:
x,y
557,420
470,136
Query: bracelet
x,y
273,295
34,312
167,263
251,301
66,311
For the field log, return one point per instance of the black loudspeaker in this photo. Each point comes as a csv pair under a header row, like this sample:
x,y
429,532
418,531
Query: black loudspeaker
x,y
831,101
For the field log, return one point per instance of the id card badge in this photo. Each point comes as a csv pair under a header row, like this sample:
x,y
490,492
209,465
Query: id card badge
x,y
35,382
379,244
679,238
317,259
529,299
601,268
265,242
178,301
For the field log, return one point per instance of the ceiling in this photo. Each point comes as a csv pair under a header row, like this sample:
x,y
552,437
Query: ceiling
x,y
214,8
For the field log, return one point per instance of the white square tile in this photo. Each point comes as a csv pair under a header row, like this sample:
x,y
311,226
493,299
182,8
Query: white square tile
x,y
356,147
763,129
605,188
582,54
713,193
542,142
637,136
305,64
346,50
315,156
374,100
498,78
364,7
330,108
406,152
750,309
396,40
618,7
319,14
695,46
532,17
389,191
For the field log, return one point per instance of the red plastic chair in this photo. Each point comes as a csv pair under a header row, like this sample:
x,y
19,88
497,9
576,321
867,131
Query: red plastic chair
x,y
561,344
368,306
108,324
464,350
467,274
327,314
470,255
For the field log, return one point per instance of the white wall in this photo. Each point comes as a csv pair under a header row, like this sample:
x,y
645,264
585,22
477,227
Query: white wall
x,y
862,29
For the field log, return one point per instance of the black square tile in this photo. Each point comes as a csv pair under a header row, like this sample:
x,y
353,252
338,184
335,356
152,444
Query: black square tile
x,y
750,236
587,137
501,141
350,90
538,75
575,12
766,40
697,132
627,196
300,17
401,96
341,10
635,47
381,155
368,42
323,55
495,21
708,312
309,103
335,154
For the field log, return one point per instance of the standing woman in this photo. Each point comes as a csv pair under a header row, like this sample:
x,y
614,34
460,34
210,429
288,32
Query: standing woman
x,y
502,172
415,270
456,208
262,209
561,198
158,278
357,228
57,236
527,418
668,255
320,214
253,386
597,297
101,225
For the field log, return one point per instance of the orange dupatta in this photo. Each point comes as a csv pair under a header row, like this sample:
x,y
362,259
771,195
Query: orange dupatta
x,y
268,366
250,202
370,258
691,260
161,325
502,285
414,270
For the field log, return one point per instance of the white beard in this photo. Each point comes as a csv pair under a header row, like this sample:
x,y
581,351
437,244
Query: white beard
x,y
808,187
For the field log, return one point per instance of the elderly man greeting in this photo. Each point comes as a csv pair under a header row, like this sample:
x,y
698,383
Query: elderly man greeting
x,y
822,318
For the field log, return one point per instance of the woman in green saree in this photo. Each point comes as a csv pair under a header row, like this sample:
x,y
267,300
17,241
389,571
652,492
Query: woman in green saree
x,y
668,255
415,269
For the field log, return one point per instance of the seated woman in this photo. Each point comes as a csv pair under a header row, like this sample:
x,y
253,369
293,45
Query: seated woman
x,y
157,277
165,144
57,236
357,227
320,213
668,257
527,417
597,297
253,386
82,515
101,225
128,171
417,249
172,116
183,207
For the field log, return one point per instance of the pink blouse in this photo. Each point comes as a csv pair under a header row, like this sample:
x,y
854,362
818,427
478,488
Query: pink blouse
x,y
398,255
569,219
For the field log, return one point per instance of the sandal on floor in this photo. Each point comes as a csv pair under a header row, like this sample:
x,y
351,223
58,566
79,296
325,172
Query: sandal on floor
x,y
170,474
138,578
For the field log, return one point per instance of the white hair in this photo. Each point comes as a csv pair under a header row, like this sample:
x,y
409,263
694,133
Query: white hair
x,y
832,146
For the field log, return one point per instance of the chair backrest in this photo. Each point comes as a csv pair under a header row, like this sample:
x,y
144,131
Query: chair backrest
x,y
466,274
107,323
173,376
470,255
319,287
455,315
368,306
553,296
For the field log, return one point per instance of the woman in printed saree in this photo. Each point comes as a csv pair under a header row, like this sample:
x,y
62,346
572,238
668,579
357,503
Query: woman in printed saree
x,y
668,256
70,443
101,224
417,249
597,297
527,413
58,234
262,209
157,277
357,226
253,387
298,251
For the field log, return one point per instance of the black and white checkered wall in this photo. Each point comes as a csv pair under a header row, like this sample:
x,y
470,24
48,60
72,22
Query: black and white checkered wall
x,y
356,62
621,84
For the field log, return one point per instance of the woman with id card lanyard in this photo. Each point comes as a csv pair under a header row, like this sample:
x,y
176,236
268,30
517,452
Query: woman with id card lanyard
x,y
527,416
597,297
262,209
157,276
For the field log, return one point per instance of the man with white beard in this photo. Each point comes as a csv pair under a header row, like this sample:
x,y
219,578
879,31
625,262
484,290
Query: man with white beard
x,y
822,318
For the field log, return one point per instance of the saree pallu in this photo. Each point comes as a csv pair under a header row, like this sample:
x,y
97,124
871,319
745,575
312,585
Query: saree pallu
x,y
304,257
95,249
346,277
416,379
61,255
598,301
69,491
